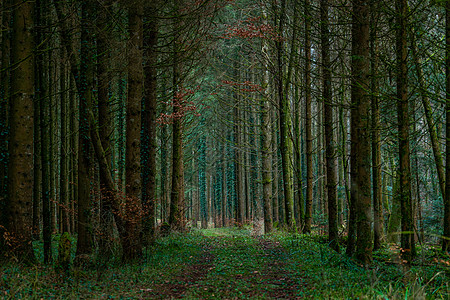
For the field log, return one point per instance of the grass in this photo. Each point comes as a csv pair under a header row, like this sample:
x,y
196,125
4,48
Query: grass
x,y
229,263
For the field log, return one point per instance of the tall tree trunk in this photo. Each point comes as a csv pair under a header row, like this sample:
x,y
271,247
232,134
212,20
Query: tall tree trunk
x,y
333,235
164,175
266,150
5,49
446,239
84,242
37,189
45,137
224,186
176,217
407,236
20,164
285,129
238,151
149,123
360,131
132,247
275,162
105,125
64,150
308,120
74,153
203,196
376,140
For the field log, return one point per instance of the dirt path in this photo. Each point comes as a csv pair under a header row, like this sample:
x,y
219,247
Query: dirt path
x,y
188,279
284,284
268,277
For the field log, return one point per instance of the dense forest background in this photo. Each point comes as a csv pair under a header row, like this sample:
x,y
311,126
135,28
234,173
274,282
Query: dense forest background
x,y
123,120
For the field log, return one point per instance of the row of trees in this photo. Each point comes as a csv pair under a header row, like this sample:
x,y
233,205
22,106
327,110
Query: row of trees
x,y
358,120
117,116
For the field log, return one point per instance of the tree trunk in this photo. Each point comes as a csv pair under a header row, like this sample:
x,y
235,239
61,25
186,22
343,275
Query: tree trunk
x,y
333,235
132,247
376,140
5,49
176,217
203,196
407,236
105,126
285,129
84,242
20,164
149,124
64,150
308,121
360,131
266,150
38,163
446,239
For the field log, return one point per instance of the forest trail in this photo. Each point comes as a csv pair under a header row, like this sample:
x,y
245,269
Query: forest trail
x,y
243,267
231,263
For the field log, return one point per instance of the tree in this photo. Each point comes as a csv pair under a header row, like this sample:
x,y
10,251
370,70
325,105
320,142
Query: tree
x,y
446,238
266,155
333,234
85,87
375,123
20,165
360,131
286,147
308,122
176,217
148,147
407,225
105,123
132,244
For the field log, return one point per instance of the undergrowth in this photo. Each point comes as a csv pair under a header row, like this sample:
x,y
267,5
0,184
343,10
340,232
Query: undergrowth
x,y
230,263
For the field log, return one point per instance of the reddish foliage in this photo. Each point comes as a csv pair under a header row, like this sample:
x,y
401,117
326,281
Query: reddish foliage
x,y
183,106
251,28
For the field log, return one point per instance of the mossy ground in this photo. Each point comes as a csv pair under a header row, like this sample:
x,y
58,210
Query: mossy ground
x,y
230,263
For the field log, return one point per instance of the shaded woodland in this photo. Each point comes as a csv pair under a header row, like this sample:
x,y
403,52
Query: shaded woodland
x,y
122,122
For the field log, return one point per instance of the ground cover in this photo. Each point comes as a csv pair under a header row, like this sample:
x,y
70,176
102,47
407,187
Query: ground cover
x,y
231,263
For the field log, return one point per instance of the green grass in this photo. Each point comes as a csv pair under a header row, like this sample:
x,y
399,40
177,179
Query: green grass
x,y
229,263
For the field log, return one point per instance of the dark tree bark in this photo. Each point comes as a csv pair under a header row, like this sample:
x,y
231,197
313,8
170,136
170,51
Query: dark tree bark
x,y
266,150
238,155
176,217
333,235
5,50
360,131
149,146
45,138
308,121
84,241
64,150
407,225
446,239
37,189
105,125
132,244
376,139
20,164
286,147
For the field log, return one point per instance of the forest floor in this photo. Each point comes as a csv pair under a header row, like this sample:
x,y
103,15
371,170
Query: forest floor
x,y
230,263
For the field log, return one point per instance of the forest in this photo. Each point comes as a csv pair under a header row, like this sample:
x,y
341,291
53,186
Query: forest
x,y
225,149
